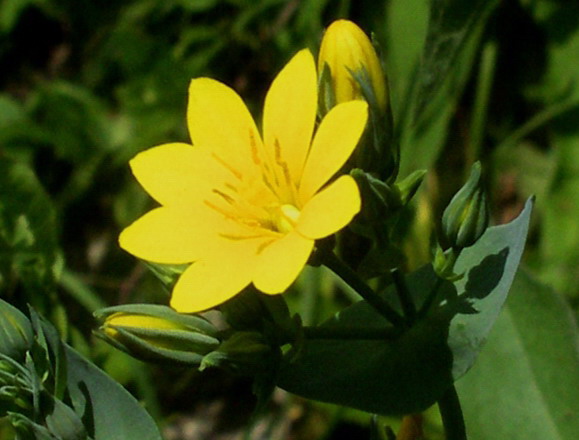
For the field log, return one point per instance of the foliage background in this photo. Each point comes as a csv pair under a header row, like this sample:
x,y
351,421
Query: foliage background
x,y
87,84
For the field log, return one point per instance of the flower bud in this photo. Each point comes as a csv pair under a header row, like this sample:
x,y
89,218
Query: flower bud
x,y
16,334
466,217
353,69
157,333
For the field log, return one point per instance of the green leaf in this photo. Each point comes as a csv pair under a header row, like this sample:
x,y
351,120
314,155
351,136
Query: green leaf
x,y
73,118
405,32
525,383
15,332
408,373
108,411
452,22
29,249
452,41
63,422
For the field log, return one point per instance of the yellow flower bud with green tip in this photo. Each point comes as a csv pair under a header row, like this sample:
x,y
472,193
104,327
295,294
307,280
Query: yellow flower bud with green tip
x,y
157,333
352,61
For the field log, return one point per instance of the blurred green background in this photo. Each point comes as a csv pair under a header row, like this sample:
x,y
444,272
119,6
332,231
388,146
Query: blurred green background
x,y
85,85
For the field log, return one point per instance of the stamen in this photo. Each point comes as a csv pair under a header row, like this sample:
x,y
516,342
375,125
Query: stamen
x,y
253,144
227,166
231,187
277,149
221,211
226,197
285,169
239,237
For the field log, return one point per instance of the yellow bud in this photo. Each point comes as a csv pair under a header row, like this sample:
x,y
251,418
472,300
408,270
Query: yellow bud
x,y
128,321
350,56
153,332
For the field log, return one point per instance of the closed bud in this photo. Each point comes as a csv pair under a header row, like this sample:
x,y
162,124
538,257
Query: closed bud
x,y
16,334
349,69
466,217
157,333
352,68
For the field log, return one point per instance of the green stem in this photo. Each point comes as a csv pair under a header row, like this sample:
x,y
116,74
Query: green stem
x,y
451,413
537,121
483,92
342,333
430,298
404,295
330,260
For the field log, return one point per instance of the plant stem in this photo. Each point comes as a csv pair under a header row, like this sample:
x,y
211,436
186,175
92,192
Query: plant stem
x,y
483,92
451,413
430,298
538,120
404,295
330,260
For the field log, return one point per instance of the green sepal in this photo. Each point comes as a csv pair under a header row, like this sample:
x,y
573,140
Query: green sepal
x,y
326,96
186,349
408,186
166,273
192,322
255,311
244,352
181,338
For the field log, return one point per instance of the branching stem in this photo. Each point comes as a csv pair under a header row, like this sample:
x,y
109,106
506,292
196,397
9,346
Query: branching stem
x,y
404,296
330,260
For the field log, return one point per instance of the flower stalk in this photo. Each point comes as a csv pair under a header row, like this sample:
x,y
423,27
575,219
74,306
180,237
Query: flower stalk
x,y
331,261
452,417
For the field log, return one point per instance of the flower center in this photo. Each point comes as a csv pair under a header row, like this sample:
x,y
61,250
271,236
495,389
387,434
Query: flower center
x,y
285,218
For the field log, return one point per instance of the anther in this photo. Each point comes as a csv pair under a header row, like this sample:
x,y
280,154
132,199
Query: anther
x,y
227,166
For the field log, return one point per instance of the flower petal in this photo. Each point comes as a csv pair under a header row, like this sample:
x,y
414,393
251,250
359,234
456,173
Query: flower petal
x,y
210,282
330,210
169,236
219,120
289,112
335,140
177,174
279,264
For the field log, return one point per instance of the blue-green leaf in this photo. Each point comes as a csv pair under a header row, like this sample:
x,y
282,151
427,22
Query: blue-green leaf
x,y
408,373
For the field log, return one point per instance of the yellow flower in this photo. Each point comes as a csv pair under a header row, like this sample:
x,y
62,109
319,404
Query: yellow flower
x,y
346,49
241,207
